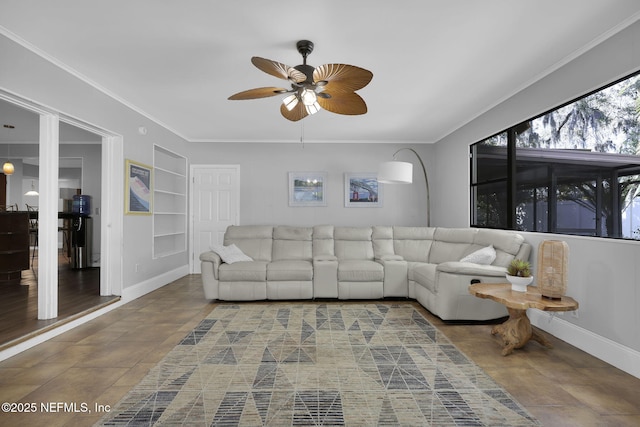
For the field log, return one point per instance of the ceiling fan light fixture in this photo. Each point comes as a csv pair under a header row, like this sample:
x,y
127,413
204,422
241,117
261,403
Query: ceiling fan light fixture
x,y
313,108
308,97
290,102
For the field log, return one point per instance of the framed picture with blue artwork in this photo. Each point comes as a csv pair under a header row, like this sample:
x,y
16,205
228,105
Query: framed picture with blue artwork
x,y
307,188
138,188
362,190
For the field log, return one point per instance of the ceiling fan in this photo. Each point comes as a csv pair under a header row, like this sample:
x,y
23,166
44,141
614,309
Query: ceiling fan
x,y
331,86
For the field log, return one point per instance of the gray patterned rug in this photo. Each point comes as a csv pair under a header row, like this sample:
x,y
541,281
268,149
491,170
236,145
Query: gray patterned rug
x,y
329,364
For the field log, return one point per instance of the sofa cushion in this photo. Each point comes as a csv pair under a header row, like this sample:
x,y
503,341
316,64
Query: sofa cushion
x,y
289,270
451,244
413,243
292,243
283,232
353,243
230,254
360,271
423,274
323,240
254,240
506,243
382,237
254,271
484,256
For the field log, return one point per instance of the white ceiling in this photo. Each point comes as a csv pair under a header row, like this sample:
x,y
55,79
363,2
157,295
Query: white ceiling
x,y
437,64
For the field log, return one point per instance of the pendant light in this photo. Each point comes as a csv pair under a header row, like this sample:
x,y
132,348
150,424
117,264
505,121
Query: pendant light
x,y
33,191
8,167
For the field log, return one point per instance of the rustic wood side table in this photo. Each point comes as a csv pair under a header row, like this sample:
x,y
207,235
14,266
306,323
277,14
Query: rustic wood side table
x,y
517,330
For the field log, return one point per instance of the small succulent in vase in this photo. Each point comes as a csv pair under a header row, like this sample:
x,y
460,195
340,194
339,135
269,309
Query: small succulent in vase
x,y
519,268
519,274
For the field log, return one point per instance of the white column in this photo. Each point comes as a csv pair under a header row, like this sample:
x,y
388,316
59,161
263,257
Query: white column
x,y
48,217
111,249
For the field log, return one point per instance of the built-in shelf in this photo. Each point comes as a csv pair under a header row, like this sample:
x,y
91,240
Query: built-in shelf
x,y
169,202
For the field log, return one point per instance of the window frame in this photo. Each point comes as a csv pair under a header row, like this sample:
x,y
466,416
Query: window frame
x,y
511,181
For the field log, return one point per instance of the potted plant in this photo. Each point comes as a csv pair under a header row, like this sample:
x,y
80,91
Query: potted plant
x,y
519,275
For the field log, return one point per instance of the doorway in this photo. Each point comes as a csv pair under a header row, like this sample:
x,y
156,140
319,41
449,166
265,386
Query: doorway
x,y
214,205
52,129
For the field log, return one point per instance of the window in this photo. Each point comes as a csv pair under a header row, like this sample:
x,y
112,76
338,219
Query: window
x,y
572,170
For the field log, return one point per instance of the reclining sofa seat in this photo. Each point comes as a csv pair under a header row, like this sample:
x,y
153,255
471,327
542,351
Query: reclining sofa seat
x,y
290,272
359,275
246,281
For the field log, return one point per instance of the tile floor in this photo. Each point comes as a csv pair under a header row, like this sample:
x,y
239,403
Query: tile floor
x,y
98,362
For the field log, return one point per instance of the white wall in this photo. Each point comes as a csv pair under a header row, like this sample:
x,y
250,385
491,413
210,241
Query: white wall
x,y
603,273
33,78
264,184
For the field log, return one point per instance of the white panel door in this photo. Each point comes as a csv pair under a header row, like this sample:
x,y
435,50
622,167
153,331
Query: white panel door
x,y
215,204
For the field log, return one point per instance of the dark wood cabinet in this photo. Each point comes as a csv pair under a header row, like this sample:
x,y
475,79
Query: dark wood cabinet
x,y
14,246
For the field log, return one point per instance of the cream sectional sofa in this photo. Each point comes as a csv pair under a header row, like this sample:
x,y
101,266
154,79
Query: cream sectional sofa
x,y
325,261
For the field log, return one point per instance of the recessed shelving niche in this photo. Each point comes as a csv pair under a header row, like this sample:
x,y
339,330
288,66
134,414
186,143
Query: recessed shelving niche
x,y
169,202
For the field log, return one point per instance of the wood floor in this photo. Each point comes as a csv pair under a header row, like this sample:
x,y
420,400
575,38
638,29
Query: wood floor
x,y
78,291
99,362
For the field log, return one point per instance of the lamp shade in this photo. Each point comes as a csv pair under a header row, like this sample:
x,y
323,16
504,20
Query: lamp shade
x,y
395,172
553,259
33,191
8,168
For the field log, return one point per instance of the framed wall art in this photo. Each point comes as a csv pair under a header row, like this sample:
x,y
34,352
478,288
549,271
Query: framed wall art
x,y
362,190
138,188
307,188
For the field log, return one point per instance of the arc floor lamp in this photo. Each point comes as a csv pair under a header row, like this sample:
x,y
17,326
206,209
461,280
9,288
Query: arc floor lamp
x,y
397,172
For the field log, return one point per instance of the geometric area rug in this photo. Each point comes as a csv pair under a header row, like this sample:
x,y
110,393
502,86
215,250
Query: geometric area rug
x,y
318,364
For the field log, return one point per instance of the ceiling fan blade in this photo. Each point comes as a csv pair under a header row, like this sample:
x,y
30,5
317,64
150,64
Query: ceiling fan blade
x,y
261,92
297,113
342,77
278,69
349,103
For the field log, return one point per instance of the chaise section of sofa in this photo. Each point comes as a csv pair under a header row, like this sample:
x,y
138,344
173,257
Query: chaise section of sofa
x,y
432,265
438,278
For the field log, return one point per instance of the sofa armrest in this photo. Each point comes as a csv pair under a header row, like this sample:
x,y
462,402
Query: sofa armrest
x,y
325,276
213,258
319,258
396,282
471,269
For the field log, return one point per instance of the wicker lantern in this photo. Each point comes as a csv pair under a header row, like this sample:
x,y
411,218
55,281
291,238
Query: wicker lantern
x,y
553,257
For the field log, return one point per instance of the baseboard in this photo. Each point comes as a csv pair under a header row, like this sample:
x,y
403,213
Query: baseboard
x,y
136,291
128,294
613,353
57,330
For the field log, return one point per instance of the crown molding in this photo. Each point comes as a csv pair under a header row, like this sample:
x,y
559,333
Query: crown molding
x,y
55,61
